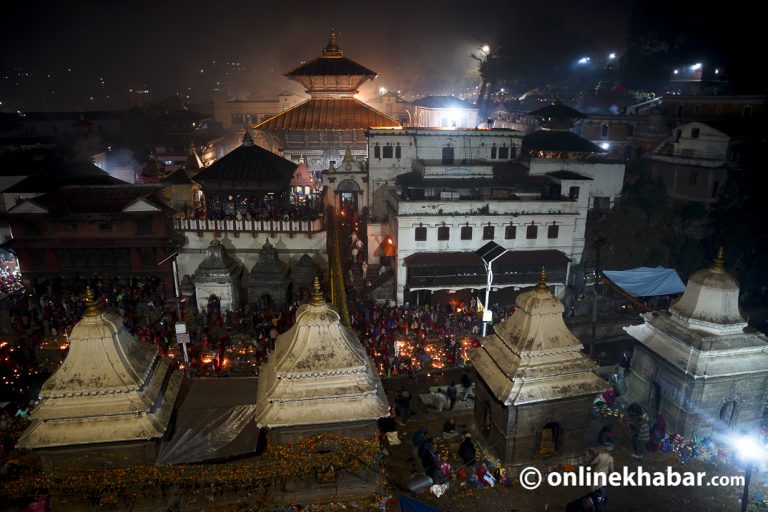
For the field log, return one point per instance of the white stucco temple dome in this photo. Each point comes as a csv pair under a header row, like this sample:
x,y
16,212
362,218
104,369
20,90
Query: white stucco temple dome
x,y
711,301
110,389
318,374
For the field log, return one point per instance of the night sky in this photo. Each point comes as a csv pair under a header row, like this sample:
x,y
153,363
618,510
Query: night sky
x,y
106,49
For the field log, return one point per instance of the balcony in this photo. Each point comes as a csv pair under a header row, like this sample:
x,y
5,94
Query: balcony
x,y
235,227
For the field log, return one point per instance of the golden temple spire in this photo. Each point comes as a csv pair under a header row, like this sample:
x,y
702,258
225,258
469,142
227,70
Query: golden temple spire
x,y
719,264
542,286
333,50
91,308
317,298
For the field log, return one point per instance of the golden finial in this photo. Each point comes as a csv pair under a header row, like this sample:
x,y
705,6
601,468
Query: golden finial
x,y
317,293
91,308
719,264
332,50
542,286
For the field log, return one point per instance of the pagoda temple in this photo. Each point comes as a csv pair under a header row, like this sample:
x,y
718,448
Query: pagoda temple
x,y
111,398
536,387
554,139
319,379
331,120
247,182
699,364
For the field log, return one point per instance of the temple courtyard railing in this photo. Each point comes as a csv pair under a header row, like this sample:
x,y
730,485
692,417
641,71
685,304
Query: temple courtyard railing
x,y
234,226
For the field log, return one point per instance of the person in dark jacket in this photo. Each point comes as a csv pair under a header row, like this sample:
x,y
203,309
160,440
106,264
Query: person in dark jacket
x,y
452,394
467,450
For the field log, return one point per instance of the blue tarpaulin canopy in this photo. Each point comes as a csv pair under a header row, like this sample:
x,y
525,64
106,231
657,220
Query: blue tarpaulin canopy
x,y
646,281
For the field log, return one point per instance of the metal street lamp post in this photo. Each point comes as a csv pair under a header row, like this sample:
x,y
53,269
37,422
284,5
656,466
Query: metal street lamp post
x,y
750,451
490,252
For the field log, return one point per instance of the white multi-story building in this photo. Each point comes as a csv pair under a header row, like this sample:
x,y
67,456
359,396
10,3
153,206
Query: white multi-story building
x,y
440,195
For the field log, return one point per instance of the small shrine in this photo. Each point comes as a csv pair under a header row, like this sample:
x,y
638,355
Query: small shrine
x,y
319,380
219,274
699,364
302,276
110,401
268,284
535,387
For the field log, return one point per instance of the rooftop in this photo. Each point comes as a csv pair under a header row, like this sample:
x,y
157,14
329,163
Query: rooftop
x,y
328,113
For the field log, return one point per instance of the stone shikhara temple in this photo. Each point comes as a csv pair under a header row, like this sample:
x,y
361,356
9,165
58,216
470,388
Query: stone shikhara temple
x,y
536,387
111,398
319,379
699,364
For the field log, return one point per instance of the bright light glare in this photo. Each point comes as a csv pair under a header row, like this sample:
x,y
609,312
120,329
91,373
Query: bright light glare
x,y
583,60
676,71
486,48
748,448
611,55
382,90
696,66
605,145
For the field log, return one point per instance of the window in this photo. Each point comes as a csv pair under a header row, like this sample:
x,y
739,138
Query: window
x,y
573,193
630,130
144,227
747,112
493,151
693,177
553,231
448,155
695,133
532,232
604,131
443,233
513,152
715,186
696,109
510,232
147,256
504,153
31,228
728,414
398,152
387,153
376,151
489,232
466,233
678,134
421,234
679,111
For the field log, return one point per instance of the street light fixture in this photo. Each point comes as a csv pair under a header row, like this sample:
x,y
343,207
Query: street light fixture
x,y
750,451
490,252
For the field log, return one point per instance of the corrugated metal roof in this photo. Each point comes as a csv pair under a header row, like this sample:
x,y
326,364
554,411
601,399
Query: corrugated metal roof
x,y
328,114
333,66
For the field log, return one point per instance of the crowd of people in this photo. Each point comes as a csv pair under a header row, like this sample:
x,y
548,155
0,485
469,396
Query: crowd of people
x,y
265,212
405,339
